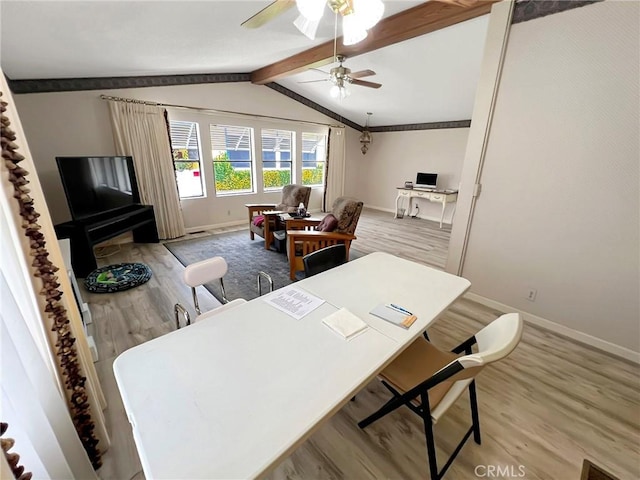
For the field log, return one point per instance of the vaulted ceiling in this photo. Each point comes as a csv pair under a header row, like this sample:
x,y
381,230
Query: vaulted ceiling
x,y
426,78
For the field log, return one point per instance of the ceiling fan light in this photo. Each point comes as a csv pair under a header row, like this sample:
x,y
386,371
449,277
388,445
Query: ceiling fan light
x,y
368,12
311,9
352,31
339,91
306,26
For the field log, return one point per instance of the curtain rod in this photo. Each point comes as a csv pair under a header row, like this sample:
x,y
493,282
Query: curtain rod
x,y
213,110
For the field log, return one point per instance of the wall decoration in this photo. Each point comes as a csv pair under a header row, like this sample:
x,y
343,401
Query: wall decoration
x,y
64,348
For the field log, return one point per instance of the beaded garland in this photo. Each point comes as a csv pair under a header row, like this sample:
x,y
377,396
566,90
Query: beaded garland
x,y
66,352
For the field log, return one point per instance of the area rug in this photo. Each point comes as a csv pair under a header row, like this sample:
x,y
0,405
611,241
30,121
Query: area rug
x,y
118,277
245,258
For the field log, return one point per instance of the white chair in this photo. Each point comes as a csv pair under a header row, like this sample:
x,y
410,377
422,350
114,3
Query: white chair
x,y
429,380
198,274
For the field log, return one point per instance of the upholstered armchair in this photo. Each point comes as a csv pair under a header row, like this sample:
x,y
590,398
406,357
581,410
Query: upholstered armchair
x,y
339,226
259,224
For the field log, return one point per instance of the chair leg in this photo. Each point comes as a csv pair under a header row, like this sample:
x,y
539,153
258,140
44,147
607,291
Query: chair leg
x,y
196,305
426,336
224,294
388,407
475,418
428,432
180,310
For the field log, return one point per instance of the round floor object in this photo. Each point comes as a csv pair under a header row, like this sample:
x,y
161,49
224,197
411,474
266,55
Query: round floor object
x,y
118,277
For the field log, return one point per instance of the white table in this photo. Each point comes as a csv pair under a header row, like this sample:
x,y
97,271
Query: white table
x,y
438,196
233,395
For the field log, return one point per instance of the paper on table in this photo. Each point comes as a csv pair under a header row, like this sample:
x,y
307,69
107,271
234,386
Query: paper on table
x,y
345,323
294,301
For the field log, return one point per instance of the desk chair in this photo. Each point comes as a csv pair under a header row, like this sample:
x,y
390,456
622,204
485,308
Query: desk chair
x,y
429,380
198,274
324,259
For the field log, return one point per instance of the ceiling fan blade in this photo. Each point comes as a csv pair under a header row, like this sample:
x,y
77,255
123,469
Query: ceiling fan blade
x,y
362,73
314,81
320,71
268,13
460,3
364,83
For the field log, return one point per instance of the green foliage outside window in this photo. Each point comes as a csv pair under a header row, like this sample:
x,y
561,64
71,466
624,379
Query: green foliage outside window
x,y
227,178
276,178
182,166
313,176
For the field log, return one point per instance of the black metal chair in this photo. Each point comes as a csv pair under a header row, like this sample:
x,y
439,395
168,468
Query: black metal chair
x,y
324,259
429,380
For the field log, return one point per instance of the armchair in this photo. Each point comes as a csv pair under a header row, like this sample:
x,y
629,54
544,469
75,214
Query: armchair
x,y
305,237
262,225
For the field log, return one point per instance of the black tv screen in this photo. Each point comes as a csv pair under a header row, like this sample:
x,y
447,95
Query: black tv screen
x,y
96,185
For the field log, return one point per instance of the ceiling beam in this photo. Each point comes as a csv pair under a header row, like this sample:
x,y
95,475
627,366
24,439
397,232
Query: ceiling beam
x,y
419,20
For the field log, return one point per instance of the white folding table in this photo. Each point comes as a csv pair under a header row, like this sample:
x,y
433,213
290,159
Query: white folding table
x,y
233,395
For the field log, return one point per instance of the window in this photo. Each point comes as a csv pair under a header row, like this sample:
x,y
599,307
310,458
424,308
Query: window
x,y
231,148
314,158
186,158
276,158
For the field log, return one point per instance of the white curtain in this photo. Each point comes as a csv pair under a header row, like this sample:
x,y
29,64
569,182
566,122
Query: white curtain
x,y
334,184
141,131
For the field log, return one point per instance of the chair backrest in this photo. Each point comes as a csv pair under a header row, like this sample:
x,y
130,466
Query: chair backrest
x,y
347,210
495,341
293,195
205,271
324,259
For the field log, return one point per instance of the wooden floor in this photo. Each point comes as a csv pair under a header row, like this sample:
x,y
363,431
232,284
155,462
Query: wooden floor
x,y
548,406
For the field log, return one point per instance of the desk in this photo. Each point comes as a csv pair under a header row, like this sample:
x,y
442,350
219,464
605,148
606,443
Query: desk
x,y
439,196
233,395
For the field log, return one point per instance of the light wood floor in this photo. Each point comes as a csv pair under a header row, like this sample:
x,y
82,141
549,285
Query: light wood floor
x,y
548,406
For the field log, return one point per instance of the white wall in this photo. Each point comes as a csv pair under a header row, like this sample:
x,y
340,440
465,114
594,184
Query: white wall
x,y
559,209
77,123
395,157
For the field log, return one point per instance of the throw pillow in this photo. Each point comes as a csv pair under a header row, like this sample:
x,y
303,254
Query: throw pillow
x,y
328,224
258,220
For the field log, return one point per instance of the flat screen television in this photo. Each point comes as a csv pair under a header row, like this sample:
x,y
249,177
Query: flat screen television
x,y
95,185
426,180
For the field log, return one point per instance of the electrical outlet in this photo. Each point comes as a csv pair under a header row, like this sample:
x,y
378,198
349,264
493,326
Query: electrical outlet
x,y
531,294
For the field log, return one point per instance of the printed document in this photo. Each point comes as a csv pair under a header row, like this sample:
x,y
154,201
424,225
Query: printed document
x,y
294,301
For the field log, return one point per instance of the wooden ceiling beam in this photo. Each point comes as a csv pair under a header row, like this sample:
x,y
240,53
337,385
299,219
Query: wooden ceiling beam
x,y
419,20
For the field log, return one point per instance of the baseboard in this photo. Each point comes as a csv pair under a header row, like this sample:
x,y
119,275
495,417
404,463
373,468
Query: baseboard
x,y
554,327
216,225
392,211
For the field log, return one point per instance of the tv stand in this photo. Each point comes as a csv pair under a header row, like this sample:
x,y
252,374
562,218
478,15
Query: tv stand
x,y
86,233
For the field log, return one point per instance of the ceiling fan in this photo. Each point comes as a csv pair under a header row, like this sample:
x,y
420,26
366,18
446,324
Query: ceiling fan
x,y
342,76
358,16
